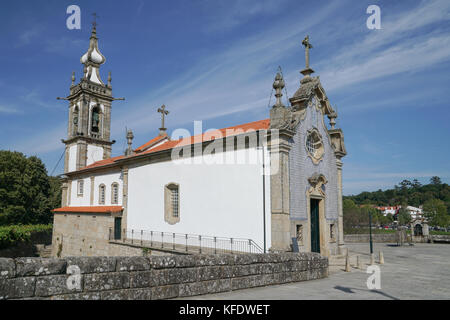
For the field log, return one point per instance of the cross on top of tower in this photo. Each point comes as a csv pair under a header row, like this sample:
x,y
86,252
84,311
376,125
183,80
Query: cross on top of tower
x,y
164,113
307,46
94,23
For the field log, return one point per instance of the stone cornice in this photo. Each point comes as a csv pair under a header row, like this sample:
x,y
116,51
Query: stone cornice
x,y
91,88
88,140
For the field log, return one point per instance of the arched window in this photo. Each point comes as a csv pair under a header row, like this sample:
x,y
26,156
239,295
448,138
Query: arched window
x,y
172,203
115,193
75,121
101,194
95,120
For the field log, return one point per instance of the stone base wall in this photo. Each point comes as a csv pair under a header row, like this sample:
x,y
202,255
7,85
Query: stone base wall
x,y
81,234
380,238
154,277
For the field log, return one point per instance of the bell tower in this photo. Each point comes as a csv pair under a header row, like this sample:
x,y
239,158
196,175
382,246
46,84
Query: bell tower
x,y
89,123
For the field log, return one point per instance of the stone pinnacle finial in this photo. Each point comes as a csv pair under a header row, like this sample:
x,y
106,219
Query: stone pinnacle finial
x,y
109,79
332,117
130,137
278,85
73,78
307,71
164,113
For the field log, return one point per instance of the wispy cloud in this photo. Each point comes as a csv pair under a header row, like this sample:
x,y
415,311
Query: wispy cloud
x,y
63,45
405,44
225,15
358,179
232,81
27,36
48,141
9,110
35,97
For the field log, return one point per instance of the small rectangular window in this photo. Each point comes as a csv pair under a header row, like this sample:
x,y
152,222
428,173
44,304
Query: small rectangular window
x,y
101,196
80,187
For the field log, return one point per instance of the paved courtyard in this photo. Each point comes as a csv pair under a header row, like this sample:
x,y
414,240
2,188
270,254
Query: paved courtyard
x,y
421,271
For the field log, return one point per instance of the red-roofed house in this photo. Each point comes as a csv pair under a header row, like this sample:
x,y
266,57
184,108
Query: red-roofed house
x,y
268,181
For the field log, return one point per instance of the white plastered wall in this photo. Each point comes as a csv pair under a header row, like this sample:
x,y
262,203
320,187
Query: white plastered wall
x,y
94,153
85,200
72,158
223,200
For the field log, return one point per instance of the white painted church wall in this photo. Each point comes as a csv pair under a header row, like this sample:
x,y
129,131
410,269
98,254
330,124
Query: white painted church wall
x,y
107,180
94,153
85,199
72,158
75,199
223,200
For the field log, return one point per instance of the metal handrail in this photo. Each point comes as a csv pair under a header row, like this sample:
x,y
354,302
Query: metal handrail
x,y
189,243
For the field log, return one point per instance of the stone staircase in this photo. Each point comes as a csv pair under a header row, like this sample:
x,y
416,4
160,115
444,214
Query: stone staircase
x,y
44,251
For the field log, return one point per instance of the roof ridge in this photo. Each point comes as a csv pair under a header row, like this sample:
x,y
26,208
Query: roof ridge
x,y
169,144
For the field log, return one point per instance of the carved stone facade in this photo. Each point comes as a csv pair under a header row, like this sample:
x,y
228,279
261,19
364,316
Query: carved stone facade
x,y
312,154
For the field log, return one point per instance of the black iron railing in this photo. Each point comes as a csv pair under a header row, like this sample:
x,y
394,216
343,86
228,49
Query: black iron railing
x,y
187,243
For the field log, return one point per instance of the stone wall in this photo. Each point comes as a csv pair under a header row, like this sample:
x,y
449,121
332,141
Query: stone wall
x,y
391,238
381,238
155,277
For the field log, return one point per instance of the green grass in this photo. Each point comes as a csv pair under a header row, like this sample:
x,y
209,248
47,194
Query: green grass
x,y
14,234
440,233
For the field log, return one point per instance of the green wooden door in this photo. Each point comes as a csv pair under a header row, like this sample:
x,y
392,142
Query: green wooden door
x,y
315,231
117,228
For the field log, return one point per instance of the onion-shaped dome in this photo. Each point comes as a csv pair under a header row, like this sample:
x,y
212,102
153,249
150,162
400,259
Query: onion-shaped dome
x,y
93,54
92,59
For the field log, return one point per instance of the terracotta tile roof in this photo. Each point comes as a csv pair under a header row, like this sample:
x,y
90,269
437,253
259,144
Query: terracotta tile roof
x,y
169,144
90,209
103,162
150,143
225,132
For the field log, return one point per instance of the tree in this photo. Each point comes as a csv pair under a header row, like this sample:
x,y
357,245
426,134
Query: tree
x,y
416,184
435,180
25,190
405,184
403,216
436,212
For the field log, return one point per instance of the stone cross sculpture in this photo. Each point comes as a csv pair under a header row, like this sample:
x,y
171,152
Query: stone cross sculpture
x,y
164,113
307,70
308,46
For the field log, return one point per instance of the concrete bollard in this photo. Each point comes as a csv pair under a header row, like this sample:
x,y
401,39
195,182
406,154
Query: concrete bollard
x,y
372,259
347,263
381,257
359,263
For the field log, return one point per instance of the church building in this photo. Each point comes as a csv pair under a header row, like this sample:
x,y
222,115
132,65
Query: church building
x,y
273,183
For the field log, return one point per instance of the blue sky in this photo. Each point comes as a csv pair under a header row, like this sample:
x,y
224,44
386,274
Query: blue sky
x,y
216,60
